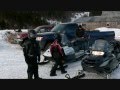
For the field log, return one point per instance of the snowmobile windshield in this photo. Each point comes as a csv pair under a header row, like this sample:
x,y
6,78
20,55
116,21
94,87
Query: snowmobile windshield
x,y
100,45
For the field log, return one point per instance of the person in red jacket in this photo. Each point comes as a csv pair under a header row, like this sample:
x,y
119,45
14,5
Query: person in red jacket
x,y
57,55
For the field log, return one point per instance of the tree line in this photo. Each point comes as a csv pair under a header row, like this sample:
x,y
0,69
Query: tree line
x,y
25,19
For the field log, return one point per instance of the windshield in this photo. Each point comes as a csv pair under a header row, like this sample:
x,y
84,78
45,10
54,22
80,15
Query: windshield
x,y
37,28
58,28
100,45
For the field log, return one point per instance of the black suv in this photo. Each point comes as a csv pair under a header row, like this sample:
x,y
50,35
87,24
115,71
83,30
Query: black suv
x,y
68,29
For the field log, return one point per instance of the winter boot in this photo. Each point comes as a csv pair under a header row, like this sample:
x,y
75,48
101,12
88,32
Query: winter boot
x,y
63,72
53,74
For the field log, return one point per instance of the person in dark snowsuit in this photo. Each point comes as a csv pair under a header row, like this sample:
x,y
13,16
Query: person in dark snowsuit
x,y
58,56
31,50
80,32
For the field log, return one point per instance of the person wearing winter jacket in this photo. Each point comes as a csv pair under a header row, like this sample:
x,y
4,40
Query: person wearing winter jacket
x,y
31,50
58,56
80,32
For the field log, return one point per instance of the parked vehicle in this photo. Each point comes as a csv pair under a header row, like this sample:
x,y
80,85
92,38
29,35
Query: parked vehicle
x,y
77,48
39,29
43,28
11,37
69,30
104,56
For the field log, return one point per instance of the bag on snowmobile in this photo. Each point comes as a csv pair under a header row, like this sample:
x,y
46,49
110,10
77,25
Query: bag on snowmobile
x,y
68,50
69,53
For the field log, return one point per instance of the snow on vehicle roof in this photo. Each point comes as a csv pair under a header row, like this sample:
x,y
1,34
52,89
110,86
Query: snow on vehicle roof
x,y
116,30
69,23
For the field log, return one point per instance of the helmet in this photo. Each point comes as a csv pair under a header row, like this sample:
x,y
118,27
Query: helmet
x,y
32,34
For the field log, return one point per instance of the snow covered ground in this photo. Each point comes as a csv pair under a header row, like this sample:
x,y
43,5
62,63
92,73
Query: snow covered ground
x,y
13,66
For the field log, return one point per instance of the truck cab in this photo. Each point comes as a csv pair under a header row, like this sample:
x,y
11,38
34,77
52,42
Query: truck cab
x,y
69,29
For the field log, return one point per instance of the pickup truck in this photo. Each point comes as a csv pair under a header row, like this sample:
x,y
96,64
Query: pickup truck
x,y
69,29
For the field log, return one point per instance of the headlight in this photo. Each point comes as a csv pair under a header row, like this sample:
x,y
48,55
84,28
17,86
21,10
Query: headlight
x,y
39,38
98,53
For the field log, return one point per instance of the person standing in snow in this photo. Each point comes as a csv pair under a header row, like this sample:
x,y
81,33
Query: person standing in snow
x,y
32,53
57,55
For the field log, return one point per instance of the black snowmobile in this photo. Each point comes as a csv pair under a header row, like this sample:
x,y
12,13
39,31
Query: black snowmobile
x,y
103,56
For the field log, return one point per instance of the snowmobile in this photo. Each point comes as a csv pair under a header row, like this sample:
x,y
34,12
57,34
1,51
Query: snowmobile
x,y
103,57
73,51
